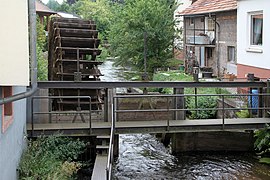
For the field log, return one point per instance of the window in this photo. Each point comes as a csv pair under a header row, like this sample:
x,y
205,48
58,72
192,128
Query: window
x,y
7,109
256,29
231,54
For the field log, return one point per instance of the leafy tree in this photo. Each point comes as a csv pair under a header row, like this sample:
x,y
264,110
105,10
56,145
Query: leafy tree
x,y
53,4
132,20
100,11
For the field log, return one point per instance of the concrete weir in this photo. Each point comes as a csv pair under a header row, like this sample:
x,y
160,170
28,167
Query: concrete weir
x,y
212,141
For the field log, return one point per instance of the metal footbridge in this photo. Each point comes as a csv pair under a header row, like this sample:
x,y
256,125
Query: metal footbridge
x,y
147,113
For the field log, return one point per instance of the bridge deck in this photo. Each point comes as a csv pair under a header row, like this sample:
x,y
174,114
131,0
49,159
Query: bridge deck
x,y
99,171
160,126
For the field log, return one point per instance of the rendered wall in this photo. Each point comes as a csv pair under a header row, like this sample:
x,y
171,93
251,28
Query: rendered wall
x,y
246,54
12,141
14,53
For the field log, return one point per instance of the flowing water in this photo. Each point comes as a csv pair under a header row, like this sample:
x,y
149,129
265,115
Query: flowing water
x,y
142,156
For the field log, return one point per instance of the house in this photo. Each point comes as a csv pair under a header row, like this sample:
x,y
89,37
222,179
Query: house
x,y
210,36
179,26
14,77
253,55
44,13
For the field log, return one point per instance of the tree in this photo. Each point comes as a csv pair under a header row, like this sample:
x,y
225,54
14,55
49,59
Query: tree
x,y
132,20
99,11
53,4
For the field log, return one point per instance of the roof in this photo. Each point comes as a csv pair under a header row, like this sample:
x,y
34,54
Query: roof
x,y
67,15
209,6
40,7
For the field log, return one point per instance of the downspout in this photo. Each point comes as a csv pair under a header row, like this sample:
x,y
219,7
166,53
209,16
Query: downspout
x,y
33,57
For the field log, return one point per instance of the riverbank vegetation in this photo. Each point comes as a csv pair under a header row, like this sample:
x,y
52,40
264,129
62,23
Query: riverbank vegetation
x,y
52,157
262,144
202,101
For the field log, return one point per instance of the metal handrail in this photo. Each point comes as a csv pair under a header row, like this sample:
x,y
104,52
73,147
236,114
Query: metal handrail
x,y
167,109
111,149
58,112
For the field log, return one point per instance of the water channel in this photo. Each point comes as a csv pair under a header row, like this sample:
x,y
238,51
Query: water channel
x,y
142,156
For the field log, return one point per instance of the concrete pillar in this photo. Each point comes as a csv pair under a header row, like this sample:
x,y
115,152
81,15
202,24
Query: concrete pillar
x,y
108,105
179,103
212,141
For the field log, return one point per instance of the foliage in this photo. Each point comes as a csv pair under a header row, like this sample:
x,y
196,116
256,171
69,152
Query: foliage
x,y
104,54
63,7
135,19
51,157
100,11
42,65
243,114
41,35
169,76
42,62
203,102
262,144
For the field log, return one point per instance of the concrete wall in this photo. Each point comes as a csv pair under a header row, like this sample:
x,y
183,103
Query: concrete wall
x,y
212,141
253,57
12,141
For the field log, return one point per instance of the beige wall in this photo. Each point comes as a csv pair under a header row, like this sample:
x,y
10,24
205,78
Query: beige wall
x,y
14,50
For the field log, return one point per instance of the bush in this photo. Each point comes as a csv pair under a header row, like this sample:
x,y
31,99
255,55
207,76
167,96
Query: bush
x,y
262,144
202,102
51,157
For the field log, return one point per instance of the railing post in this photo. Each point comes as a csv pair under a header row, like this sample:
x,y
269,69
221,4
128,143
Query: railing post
x,y
223,113
196,79
106,105
250,77
260,103
110,101
90,118
32,116
50,110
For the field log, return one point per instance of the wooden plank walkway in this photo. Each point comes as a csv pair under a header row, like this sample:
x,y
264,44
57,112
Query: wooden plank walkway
x,y
160,126
99,171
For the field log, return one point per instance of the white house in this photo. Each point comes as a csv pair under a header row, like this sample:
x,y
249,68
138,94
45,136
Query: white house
x,y
253,45
14,77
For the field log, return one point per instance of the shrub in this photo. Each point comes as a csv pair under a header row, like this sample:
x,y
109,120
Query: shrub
x,y
202,102
51,157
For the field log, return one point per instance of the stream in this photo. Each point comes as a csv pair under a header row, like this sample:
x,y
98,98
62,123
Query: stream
x,y
142,156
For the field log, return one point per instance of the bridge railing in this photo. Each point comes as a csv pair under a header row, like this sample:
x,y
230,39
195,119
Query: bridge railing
x,y
110,161
260,108
50,112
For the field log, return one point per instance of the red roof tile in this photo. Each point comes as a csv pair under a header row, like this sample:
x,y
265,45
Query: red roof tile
x,y
208,6
40,7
